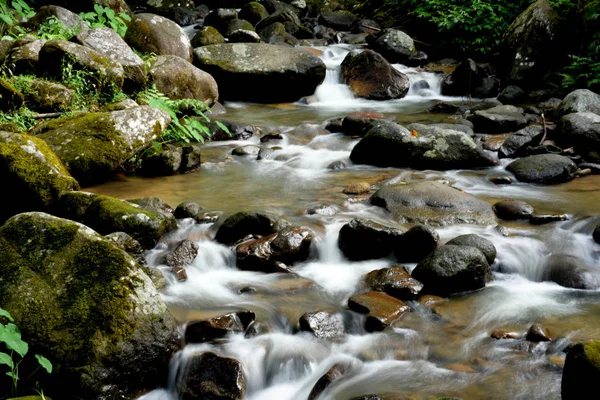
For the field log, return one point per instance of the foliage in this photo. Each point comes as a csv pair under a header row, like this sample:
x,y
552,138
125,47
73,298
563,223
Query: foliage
x,y
104,16
10,336
11,17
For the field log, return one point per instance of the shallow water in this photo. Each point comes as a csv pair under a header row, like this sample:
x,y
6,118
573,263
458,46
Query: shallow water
x,y
447,352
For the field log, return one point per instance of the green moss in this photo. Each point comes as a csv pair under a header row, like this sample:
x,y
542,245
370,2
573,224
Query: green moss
x,y
10,97
592,352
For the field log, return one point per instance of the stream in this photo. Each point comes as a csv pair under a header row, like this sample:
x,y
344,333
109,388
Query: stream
x,y
448,352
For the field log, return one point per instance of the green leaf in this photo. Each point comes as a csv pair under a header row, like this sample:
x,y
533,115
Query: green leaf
x,y
6,314
11,336
6,18
6,359
45,363
13,375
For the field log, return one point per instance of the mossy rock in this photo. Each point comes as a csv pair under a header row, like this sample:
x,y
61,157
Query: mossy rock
x,y
94,145
86,305
206,36
10,98
68,18
237,24
45,96
24,57
582,371
253,12
32,174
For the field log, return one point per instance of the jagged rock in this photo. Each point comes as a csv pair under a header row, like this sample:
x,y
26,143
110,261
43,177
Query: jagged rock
x,y
537,333
184,254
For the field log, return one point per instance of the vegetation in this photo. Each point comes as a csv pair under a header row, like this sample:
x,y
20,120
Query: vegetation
x,y
104,16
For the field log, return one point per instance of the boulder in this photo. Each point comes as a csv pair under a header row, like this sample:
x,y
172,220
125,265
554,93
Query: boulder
x,y
210,376
582,131
219,18
499,119
274,33
453,269
370,76
469,79
235,25
335,372
93,145
323,325
516,144
261,72
68,18
188,209
109,44
381,309
395,281
253,12
244,36
356,124
178,79
485,246
511,210
154,204
184,254
217,327
289,245
581,371
432,203
571,272
388,144
512,94
150,33
10,98
242,224
340,20
206,36
290,21
529,46
55,53
415,244
543,168
393,44
46,96
34,176
538,333
579,101
130,245
24,56
163,163
248,150
362,239
96,316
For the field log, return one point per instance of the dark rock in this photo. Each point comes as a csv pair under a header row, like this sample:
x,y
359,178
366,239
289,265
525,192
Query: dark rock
x,y
266,153
582,131
550,106
358,123
432,203
206,36
415,244
579,101
337,165
164,163
220,17
516,144
511,210
364,240
395,281
596,234
253,12
129,244
237,24
443,107
570,271
393,44
209,376
217,327
45,96
23,57
184,254
244,36
537,333
191,157
381,309
543,168
453,269
290,21
334,373
340,20
501,180
417,59
485,246
464,80
182,16
512,95
269,137
274,33
242,224
499,119
237,131
484,104
323,325
581,371
366,26
489,87
188,209
370,76
540,219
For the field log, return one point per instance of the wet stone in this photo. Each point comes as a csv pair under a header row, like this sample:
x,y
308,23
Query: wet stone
x,y
218,327
540,219
335,372
485,246
180,274
395,281
511,210
357,188
184,254
430,301
188,209
381,309
504,334
415,244
501,180
361,239
538,333
323,325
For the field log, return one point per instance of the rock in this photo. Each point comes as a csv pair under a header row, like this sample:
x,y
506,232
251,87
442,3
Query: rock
x,y
499,119
582,131
511,210
34,176
217,327
210,376
220,17
357,188
267,73
290,21
237,131
323,325
429,301
10,98
178,79
415,244
356,123
55,53
150,33
289,245
540,219
67,18
581,371
164,163
579,101
485,246
335,372
517,143
512,94
426,147
499,334
45,96
206,36
99,143
322,209
335,165
269,137
97,316
340,20
543,168
393,44
370,76
248,150
129,244
484,104
183,16
109,44
469,79
242,224
453,269
188,209
244,36
106,214
395,281
237,24
124,104
361,239
571,272
432,203
366,26
596,234
381,309
23,58
529,45
184,254
253,12
537,333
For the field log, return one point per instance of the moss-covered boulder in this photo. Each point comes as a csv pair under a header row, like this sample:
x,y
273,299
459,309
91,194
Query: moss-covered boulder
x,y
395,45
55,53
179,79
109,44
581,372
24,56
206,36
261,72
235,25
150,33
107,214
93,145
291,22
68,18
32,174
10,98
87,306
45,96
253,12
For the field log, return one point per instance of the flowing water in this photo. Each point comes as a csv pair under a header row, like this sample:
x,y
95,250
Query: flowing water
x,y
447,352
